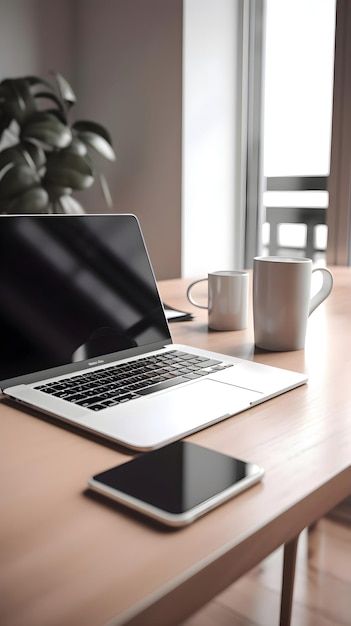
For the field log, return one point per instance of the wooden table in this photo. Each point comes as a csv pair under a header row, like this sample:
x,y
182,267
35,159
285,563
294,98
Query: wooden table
x,y
67,558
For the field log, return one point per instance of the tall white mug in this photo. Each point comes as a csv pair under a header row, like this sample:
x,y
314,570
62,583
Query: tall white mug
x,y
282,300
227,299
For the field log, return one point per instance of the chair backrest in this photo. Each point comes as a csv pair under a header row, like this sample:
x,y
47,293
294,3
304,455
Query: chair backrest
x,y
311,216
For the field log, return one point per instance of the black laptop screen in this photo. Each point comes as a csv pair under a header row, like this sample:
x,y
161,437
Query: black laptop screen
x,y
72,289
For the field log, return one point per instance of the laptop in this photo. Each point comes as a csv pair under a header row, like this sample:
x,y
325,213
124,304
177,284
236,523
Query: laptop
x,y
84,337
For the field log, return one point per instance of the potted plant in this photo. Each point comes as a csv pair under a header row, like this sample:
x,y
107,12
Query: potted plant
x,y
44,156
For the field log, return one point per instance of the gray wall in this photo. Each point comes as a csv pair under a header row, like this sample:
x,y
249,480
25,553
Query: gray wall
x,y
124,61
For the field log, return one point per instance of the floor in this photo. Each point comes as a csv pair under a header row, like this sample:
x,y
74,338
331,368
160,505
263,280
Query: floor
x,y
322,595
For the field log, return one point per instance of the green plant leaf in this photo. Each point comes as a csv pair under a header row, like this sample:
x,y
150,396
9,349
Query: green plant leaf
x,y
17,180
5,121
22,154
11,156
68,170
96,136
16,99
32,201
105,190
56,191
62,117
69,205
45,95
34,155
65,90
46,128
77,147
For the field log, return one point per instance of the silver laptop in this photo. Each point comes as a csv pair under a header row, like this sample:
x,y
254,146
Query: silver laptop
x,y
84,336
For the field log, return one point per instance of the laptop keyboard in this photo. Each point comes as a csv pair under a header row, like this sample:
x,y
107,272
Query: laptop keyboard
x,y
126,381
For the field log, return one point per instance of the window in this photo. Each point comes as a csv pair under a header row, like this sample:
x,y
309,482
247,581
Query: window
x,y
298,99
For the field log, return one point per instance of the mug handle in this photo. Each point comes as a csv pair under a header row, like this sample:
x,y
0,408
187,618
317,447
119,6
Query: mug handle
x,y
325,289
189,296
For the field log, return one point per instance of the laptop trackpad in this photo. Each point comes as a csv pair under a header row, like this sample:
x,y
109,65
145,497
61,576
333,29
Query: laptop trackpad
x,y
156,420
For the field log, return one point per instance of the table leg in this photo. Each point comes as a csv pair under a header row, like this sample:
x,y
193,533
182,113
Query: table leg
x,y
290,550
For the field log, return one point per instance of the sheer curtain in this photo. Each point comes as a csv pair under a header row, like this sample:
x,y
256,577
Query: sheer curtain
x,y
222,116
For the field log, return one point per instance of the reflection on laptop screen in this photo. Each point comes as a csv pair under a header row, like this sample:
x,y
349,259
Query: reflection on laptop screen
x,y
74,288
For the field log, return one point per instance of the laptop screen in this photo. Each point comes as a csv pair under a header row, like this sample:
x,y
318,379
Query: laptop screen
x,y
74,288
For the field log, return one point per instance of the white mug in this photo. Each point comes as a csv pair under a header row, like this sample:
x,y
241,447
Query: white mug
x,y
282,300
227,299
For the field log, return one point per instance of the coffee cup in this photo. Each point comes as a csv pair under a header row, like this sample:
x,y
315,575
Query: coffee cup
x,y
282,300
227,299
